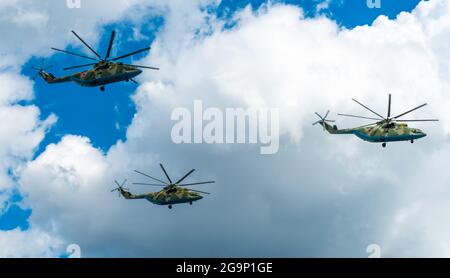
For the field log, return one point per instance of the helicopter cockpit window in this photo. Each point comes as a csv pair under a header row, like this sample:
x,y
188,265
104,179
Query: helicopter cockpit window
x,y
390,125
172,190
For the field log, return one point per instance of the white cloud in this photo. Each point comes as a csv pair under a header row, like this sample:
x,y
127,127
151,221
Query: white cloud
x,y
31,28
320,195
22,130
32,244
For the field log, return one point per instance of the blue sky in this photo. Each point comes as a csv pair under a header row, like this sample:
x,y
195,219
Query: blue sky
x,y
104,116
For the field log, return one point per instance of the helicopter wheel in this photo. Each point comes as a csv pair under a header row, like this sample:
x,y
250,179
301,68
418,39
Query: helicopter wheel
x,y
383,145
170,206
102,88
412,141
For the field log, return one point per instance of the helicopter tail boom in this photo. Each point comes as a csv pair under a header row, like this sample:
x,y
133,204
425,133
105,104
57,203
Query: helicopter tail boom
x,y
51,79
128,195
332,129
124,192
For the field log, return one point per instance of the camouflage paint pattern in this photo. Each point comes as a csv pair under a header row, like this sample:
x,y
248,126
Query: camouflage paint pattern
x,y
169,195
380,132
101,74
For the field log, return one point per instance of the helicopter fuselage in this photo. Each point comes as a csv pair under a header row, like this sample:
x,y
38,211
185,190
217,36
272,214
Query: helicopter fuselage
x,y
102,75
389,134
381,133
174,195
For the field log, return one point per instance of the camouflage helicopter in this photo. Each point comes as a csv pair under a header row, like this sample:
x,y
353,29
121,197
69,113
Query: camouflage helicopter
x,y
172,192
104,71
384,130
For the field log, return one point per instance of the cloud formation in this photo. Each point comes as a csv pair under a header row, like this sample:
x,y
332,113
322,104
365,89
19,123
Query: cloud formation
x,y
319,195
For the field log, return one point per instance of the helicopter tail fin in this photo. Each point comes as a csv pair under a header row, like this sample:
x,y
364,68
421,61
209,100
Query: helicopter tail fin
x,y
332,129
48,77
124,192
324,122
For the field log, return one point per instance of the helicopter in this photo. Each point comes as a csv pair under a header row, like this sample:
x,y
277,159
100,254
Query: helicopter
x,y
385,129
104,70
172,192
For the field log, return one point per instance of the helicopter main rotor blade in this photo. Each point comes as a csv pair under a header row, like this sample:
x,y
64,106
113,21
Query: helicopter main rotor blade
x,y
185,176
145,67
196,183
318,115
76,54
132,53
87,45
148,176
165,173
80,66
117,183
199,191
422,120
326,115
368,108
409,111
111,41
152,184
389,107
361,117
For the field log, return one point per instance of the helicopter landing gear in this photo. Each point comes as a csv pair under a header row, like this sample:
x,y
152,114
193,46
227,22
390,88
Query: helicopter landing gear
x,y
383,145
102,88
170,206
412,141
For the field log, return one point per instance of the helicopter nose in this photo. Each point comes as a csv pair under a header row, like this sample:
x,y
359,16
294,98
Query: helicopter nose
x,y
421,134
198,197
135,72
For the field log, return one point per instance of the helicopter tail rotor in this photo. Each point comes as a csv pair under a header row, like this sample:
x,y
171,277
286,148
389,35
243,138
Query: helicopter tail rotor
x,y
323,120
41,70
120,187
